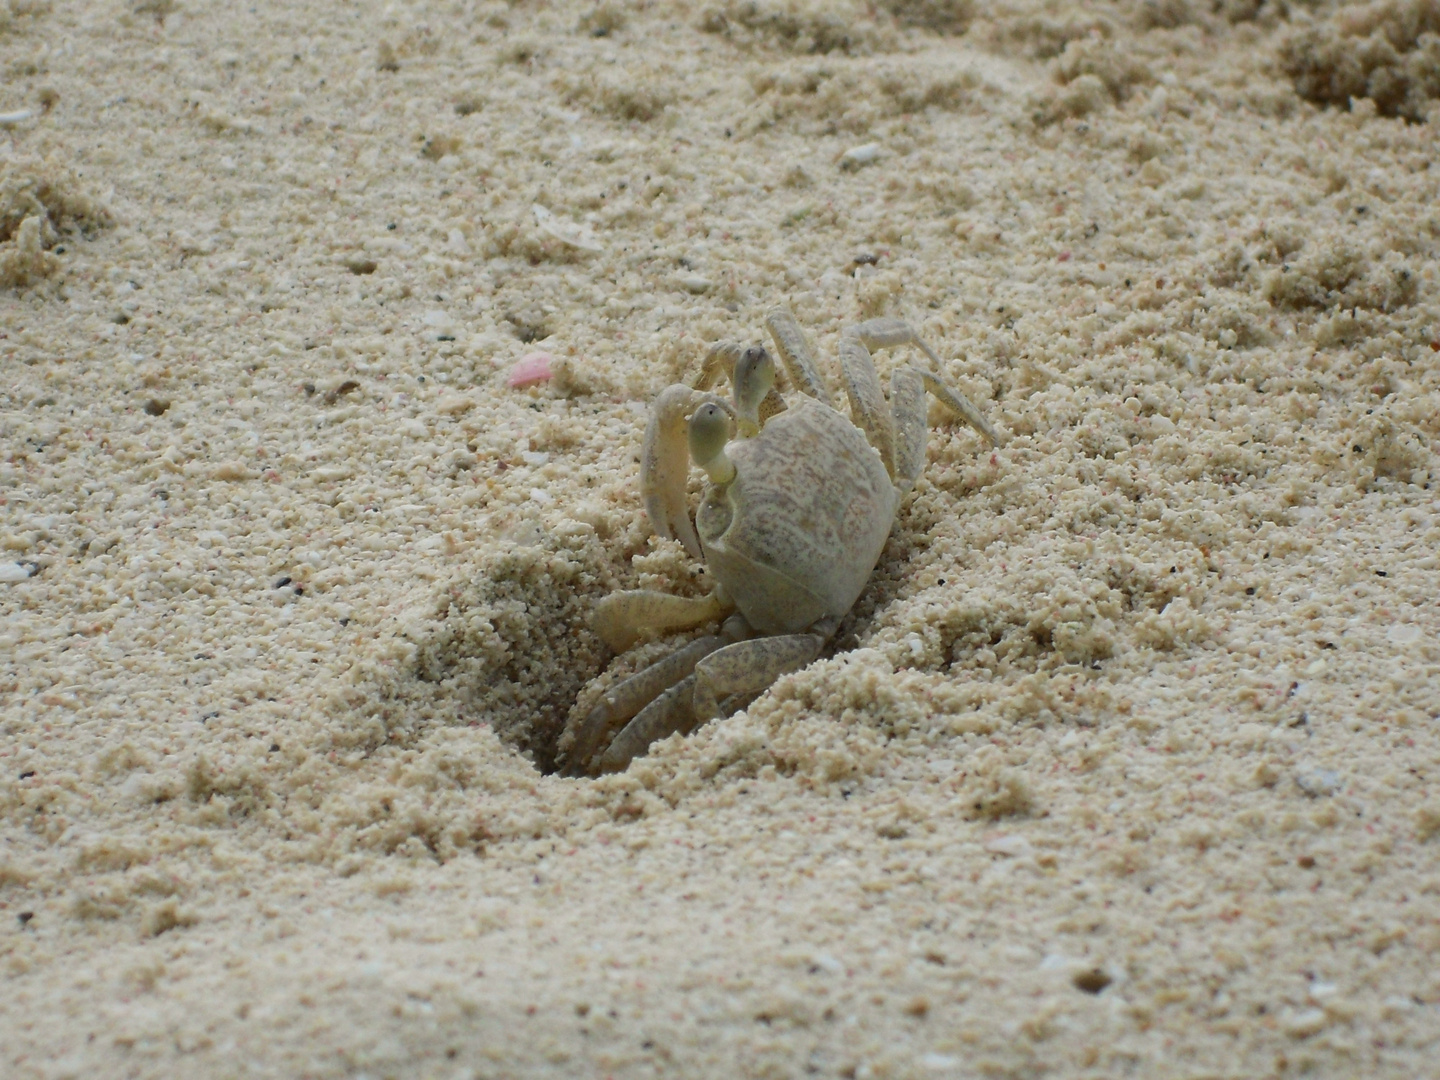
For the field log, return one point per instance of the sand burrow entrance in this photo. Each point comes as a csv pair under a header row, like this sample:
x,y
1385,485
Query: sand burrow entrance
x,y
512,646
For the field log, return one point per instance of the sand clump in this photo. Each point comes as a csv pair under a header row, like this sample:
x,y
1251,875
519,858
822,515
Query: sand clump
x,y
40,202
1123,762
1387,53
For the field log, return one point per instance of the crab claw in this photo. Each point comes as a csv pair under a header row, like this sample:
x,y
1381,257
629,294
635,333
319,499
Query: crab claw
x,y
621,616
665,466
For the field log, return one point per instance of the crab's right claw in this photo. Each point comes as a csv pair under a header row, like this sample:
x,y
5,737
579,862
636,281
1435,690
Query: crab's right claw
x,y
665,467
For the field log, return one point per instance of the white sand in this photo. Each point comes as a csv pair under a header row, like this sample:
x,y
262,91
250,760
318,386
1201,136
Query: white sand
x,y
1126,762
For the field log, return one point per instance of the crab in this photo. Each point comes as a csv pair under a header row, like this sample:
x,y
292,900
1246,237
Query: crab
x,y
799,502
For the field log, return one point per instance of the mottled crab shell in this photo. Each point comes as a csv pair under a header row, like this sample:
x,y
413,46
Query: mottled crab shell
x,y
797,533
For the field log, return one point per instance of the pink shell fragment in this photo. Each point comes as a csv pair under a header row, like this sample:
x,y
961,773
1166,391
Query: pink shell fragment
x,y
532,368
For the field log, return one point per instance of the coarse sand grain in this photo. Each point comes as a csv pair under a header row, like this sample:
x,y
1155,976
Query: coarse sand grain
x,y
1127,761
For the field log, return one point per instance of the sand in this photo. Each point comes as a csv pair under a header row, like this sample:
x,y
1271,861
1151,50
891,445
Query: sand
x,y
1125,763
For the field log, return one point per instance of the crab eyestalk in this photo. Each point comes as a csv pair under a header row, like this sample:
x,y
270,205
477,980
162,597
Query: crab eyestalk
x,y
709,432
754,377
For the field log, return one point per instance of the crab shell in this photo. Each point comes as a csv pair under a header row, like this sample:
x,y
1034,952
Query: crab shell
x,y
794,537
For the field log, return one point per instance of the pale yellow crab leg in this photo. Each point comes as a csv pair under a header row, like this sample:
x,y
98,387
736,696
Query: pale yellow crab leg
x,y
796,353
907,399
887,333
719,363
867,400
907,402
962,407
748,667
621,616
673,712
668,708
623,701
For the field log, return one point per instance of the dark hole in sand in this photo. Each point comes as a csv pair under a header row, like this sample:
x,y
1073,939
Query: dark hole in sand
x,y
512,645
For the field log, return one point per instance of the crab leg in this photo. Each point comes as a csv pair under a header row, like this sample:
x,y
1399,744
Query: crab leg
x,y
887,333
719,363
795,352
659,698
867,400
622,702
898,433
673,712
961,406
907,403
745,667
750,666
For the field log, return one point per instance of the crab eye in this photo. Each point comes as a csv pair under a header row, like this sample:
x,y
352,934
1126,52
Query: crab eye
x,y
709,431
754,376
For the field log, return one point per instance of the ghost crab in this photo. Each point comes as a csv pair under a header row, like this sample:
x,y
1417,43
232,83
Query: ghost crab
x,y
791,524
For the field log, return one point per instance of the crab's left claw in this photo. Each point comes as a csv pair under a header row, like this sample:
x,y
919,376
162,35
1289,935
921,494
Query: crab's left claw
x,y
665,466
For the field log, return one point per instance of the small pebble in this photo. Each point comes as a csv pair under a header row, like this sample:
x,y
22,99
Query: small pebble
x,y
1303,1024
1009,846
13,571
1318,782
454,404
567,232
859,156
1403,634
532,368
1321,991
230,470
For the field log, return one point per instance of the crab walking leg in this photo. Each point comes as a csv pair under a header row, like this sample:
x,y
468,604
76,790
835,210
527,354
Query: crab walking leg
x,y
867,400
795,352
961,406
633,695
671,713
887,333
907,402
742,667
750,666
621,616
719,363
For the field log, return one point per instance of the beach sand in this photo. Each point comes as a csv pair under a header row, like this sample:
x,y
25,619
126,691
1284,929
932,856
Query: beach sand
x,y
1126,761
